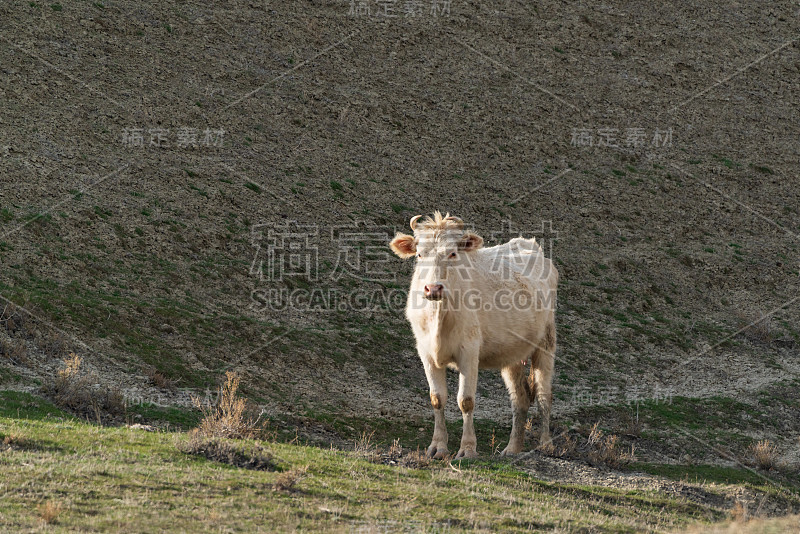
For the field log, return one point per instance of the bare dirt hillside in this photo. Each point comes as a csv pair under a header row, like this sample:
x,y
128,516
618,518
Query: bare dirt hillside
x,y
148,150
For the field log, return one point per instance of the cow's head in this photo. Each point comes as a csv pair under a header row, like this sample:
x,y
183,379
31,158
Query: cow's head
x,y
443,251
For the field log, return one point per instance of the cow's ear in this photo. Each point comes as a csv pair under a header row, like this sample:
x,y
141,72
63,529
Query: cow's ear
x,y
403,245
470,242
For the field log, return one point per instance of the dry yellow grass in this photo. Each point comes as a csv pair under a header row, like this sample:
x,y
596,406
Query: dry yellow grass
x,y
74,388
160,380
741,525
49,511
739,512
764,454
13,441
598,449
287,480
230,417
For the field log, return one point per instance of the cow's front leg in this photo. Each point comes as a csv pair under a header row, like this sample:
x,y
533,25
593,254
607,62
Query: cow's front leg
x,y
437,383
467,387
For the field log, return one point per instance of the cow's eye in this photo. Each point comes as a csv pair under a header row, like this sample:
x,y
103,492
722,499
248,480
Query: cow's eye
x,y
452,255
419,255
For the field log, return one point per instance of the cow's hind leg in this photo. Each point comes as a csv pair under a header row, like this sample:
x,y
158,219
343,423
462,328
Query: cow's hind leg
x,y
437,382
518,389
541,378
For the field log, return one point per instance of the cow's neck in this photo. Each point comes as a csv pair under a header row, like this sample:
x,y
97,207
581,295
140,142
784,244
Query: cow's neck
x,y
442,321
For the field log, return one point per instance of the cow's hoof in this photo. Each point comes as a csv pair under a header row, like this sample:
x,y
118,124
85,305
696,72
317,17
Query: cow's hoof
x,y
437,453
441,454
466,453
511,451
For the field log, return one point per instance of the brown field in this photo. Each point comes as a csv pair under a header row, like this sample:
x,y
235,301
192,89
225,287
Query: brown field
x,y
148,150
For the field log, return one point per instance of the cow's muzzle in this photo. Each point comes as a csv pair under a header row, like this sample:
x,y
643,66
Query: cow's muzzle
x,y
434,291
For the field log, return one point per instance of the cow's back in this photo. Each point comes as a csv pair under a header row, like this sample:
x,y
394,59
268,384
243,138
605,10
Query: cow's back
x,y
513,325
519,257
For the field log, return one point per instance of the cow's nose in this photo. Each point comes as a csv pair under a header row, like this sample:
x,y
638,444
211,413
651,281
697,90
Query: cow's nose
x,y
434,291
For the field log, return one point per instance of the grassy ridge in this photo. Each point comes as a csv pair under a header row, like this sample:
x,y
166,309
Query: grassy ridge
x,y
81,476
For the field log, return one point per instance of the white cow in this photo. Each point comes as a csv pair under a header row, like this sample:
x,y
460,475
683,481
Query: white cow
x,y
472,307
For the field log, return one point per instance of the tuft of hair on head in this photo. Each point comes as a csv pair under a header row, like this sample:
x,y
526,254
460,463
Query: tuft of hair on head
x,y
439,222
454,221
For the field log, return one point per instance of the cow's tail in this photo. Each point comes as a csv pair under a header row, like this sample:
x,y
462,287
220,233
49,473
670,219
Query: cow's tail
x,y
530,383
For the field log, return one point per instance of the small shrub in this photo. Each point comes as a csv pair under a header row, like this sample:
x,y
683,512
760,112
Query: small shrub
x,y
16,320
416,459
287,480
395,451
597,449
247,456
739,512
569,446
71,387
606,452
548,448
632,426
160,380
49,511
14,350
764,454
74,389
755,328
54,343
113,401
364,443
560,448
392,455
367,448
595,435
231,417
14,441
